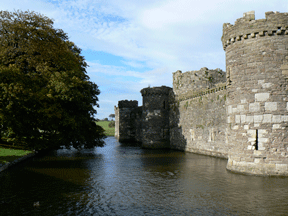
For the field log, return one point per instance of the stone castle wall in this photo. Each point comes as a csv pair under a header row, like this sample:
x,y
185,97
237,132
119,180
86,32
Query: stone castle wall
x,y
241,115
257,104
126,121
191,83
197,114
137,118
155,117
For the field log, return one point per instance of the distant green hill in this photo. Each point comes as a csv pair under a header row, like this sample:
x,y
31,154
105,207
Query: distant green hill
x,y
108,131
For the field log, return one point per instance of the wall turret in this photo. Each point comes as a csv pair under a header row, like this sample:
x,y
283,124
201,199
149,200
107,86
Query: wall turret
x,y
155,117
257,102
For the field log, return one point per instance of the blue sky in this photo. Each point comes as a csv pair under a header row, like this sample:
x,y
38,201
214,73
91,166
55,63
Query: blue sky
x,y
130,44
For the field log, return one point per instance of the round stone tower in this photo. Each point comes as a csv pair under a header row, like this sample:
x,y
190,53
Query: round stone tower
x,y
257,102
155,117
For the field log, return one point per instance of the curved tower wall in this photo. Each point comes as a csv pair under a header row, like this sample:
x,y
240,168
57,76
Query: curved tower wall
x,y
155,117
257,102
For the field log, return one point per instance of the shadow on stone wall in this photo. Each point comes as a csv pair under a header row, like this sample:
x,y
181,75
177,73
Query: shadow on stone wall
x,y
198,124
177,139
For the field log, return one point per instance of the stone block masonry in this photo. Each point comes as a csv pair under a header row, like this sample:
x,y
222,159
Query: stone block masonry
x,y
257,50
155,117
241,115
198,115
126,120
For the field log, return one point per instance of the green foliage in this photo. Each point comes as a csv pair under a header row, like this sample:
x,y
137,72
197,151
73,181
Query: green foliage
x,y
217,97
225,97
46,98
112,116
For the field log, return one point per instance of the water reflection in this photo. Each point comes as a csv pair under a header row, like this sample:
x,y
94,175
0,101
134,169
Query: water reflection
x,y
125,180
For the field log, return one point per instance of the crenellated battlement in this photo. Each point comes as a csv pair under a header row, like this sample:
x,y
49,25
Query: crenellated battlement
x,y
247,27
127,104
163,90
256,58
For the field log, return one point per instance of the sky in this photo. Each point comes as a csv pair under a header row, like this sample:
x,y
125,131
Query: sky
x,y
133,44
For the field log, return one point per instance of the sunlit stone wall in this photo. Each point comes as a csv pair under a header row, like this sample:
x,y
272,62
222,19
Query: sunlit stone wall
x,y
257,102
197,113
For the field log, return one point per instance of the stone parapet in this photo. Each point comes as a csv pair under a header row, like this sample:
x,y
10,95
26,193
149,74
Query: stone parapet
x,y
127,104
163,90
247,27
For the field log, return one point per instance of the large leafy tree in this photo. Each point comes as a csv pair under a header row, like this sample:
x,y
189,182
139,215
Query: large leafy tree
x,y
46,98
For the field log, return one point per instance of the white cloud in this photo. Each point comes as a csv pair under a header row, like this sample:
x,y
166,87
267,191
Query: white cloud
x,y
164,35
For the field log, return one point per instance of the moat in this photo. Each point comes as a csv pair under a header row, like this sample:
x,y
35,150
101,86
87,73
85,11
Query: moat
x,y
124,180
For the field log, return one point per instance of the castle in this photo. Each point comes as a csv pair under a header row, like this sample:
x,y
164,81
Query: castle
x,y
240,115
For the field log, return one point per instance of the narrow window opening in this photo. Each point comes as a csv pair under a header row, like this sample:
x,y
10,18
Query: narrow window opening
x,y
256,141
164,105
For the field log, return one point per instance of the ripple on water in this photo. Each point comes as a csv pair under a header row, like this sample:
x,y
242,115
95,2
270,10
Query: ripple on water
x,y
125,180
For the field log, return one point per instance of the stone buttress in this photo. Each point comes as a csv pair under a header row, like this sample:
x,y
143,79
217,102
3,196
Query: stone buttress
x,y
257,102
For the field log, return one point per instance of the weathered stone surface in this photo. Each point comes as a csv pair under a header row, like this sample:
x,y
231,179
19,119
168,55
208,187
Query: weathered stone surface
x,y
262,57
128,121
155,117
241,115
206,120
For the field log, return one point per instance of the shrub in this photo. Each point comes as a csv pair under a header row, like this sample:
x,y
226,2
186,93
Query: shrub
x,y
112,124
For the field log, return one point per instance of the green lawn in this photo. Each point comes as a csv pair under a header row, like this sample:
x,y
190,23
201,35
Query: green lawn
x,y
8,155
108,131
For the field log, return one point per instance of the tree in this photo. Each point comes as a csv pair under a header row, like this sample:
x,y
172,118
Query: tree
x,y
112,116
46,98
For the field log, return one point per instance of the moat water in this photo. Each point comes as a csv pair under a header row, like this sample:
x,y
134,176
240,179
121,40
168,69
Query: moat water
x,y
126,180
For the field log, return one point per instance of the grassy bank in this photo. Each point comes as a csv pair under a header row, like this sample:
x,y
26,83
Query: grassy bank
x,y
108,131
8,155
